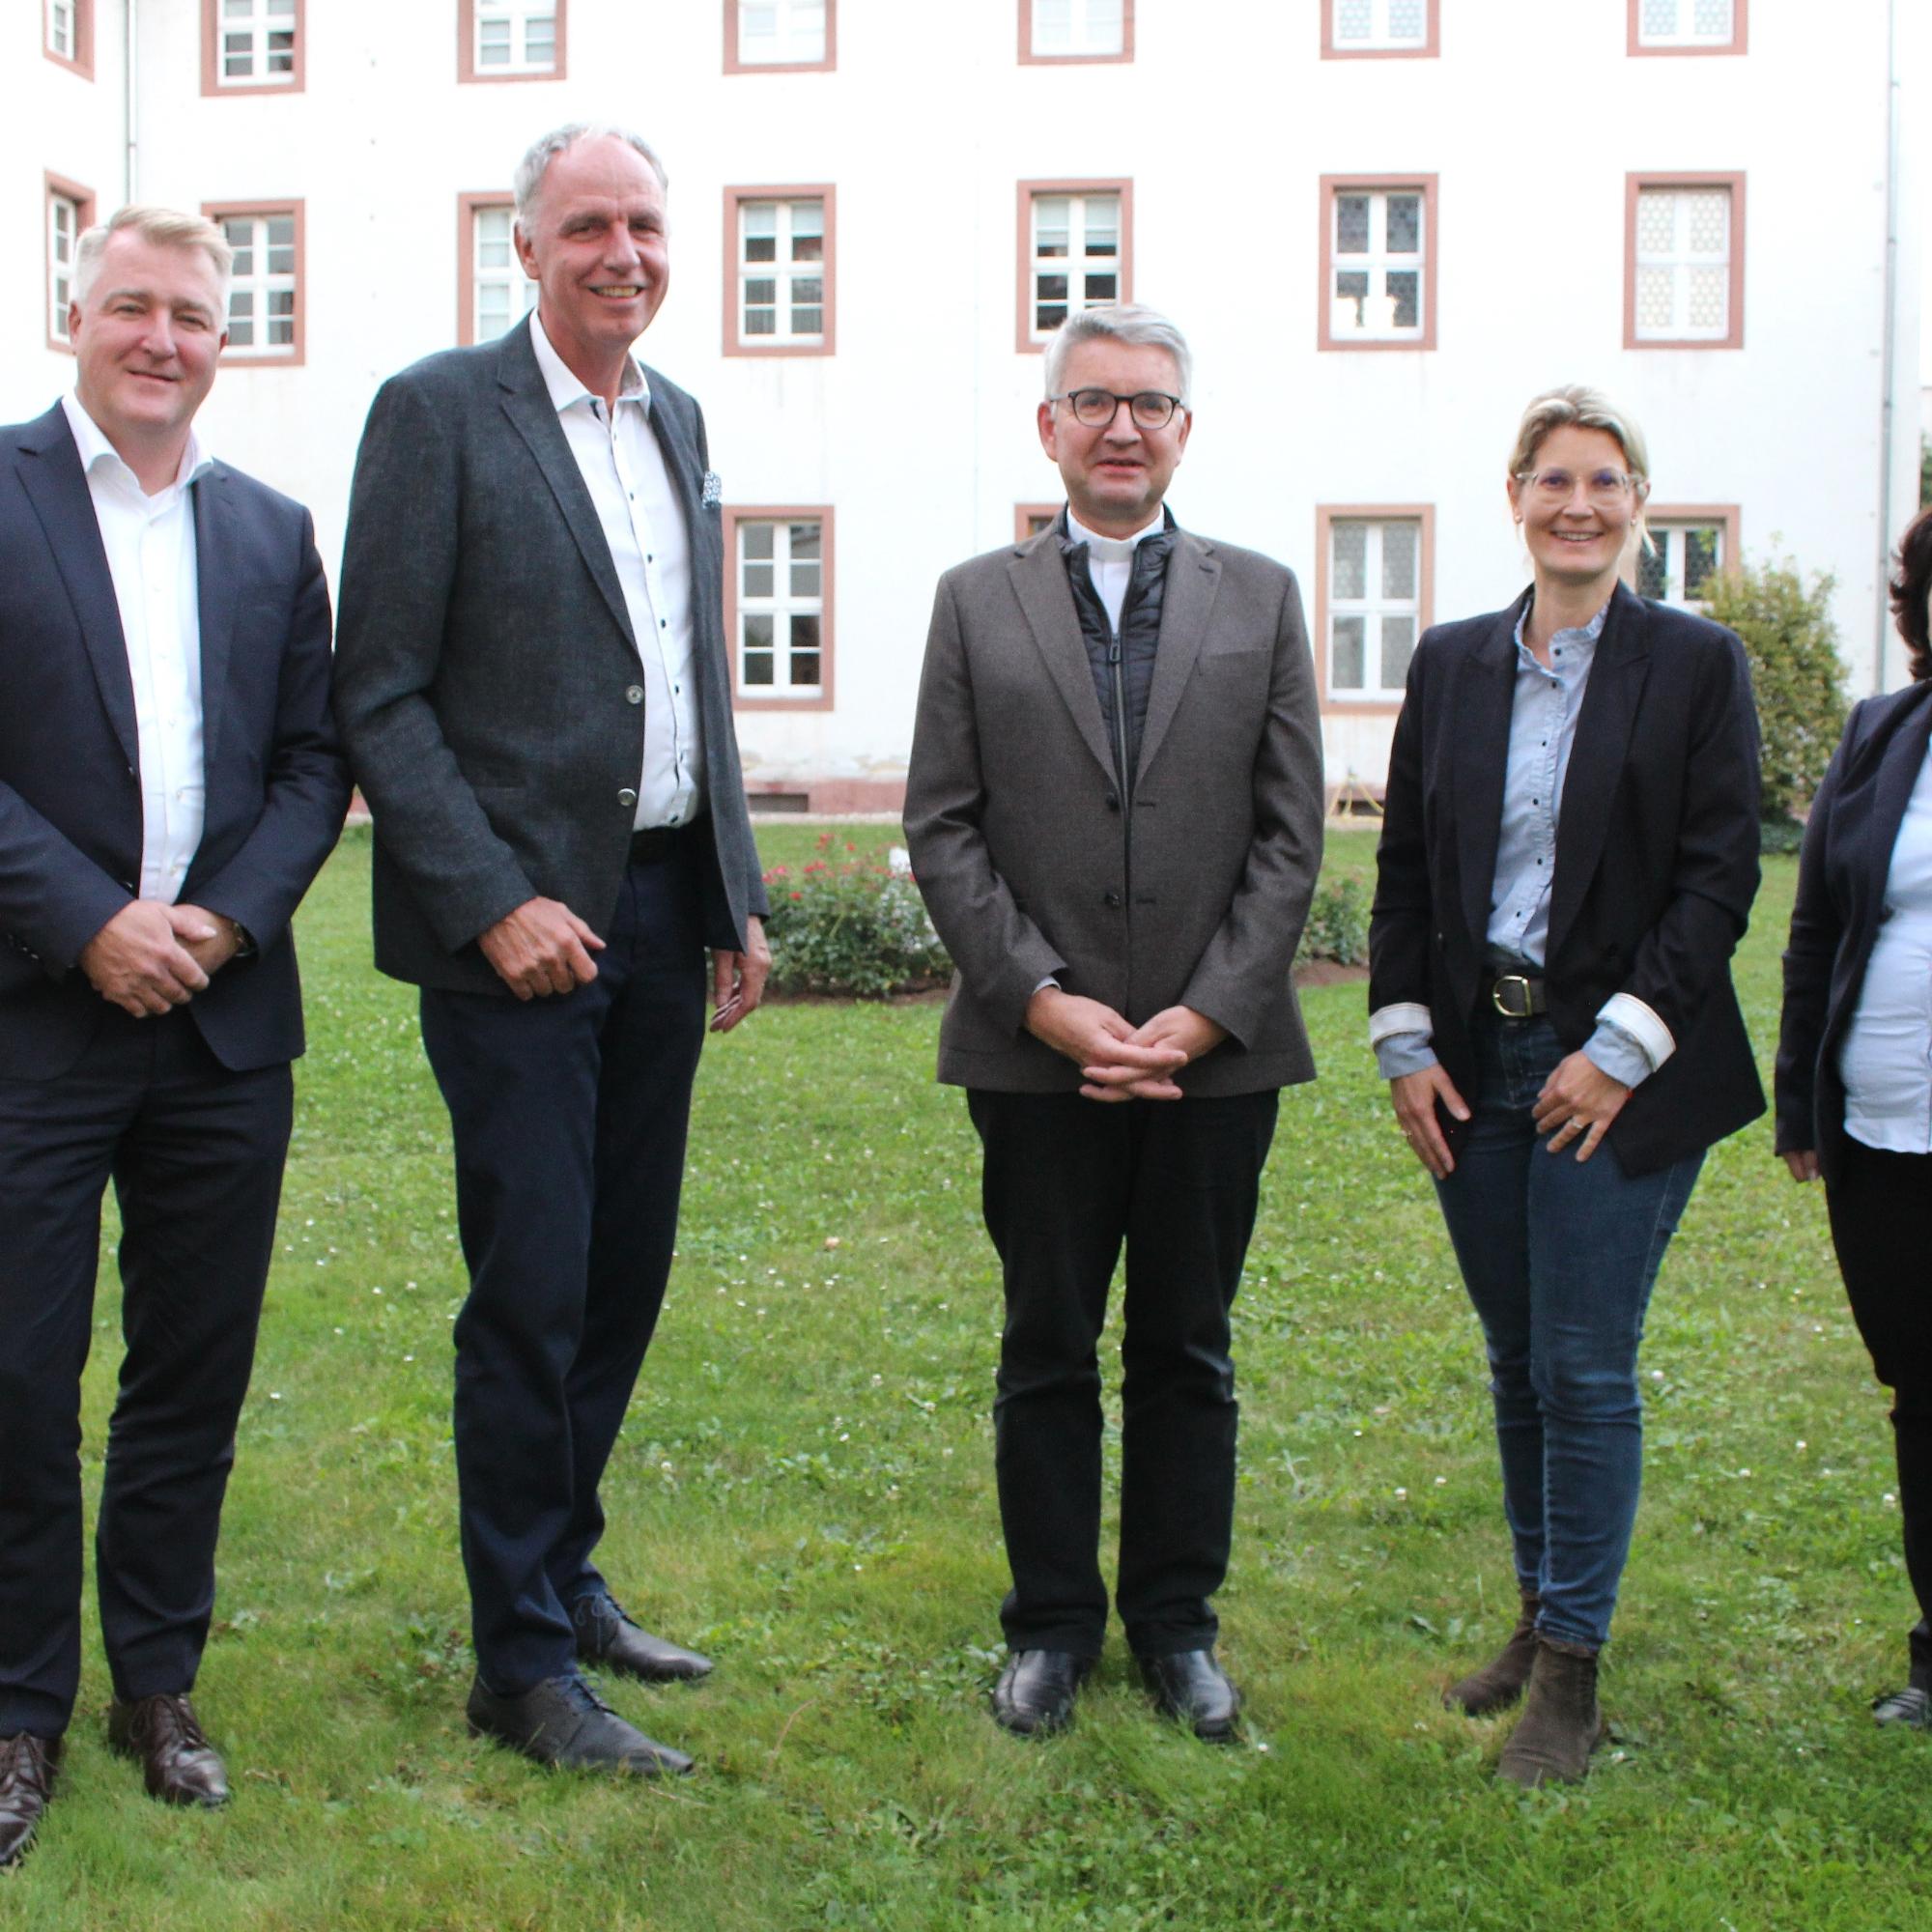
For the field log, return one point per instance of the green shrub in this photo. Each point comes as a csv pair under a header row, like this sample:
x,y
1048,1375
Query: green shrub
x,y
1796,672
1338,922
848,924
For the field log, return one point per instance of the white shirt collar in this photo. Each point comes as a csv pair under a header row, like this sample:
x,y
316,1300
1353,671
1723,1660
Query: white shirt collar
x,y
1111,550
95,448
564,384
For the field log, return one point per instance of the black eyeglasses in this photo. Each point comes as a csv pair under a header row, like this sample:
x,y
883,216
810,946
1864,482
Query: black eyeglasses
x,y
1097,409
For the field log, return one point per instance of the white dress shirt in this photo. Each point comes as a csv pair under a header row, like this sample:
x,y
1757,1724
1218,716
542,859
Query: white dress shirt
x,y
151,557
1110,560
1886,1061
623,467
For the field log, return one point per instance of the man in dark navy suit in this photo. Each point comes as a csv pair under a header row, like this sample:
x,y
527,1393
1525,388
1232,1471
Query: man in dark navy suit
x,y
170,783
533,688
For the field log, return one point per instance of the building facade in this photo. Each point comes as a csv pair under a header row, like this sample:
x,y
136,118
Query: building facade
x,y
1383,223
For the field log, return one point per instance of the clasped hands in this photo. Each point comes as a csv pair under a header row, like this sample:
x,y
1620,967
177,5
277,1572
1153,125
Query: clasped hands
x,y
153,956
1575,1108
543,947
1117,1059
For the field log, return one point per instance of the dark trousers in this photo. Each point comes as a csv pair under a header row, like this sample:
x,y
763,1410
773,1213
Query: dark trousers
x,y
568,1115
1066,1183
194,1153
1882,1227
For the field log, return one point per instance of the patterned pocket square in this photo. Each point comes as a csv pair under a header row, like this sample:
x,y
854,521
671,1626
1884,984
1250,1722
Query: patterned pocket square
x,y
714,490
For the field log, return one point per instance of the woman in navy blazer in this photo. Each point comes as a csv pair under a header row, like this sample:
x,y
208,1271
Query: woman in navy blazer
x,y
1854,1060
1568,860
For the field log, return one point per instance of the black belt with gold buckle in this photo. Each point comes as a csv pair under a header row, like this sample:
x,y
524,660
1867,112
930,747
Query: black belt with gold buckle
x,y
1518,997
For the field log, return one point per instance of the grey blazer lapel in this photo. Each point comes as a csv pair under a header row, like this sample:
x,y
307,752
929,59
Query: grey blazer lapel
x,y
50,473
527,403
215,598
1187,605
1039,582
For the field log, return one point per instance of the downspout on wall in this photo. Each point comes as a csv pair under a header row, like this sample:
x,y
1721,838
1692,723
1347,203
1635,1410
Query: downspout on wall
x,y
1887,412
129,48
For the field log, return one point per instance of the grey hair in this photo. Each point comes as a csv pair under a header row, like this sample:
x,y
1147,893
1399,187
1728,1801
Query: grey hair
x,y
1578,406
164,228
545,148
1131,323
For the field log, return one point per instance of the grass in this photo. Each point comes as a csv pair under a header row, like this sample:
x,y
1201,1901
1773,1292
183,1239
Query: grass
x,y
804,1490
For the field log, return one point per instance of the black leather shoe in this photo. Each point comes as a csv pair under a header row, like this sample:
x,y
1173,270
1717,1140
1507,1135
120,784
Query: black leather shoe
x,y
178,1764
27,1767
562,1721
1191,1686
1037,1688
606,1635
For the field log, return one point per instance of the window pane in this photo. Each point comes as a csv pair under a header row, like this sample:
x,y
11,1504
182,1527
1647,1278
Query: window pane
x,y
1346,657
1653,300
760,579
1653,570
1352,560
804,541
1711,20
1708,299
1100,288
1660,18
808,321
1405,224
1398,553
1398,646
1408,20
756,539
1103,226
1353,21
1351,224
1050,222
1404,286
758,667
1656,221
1700,561
1710,222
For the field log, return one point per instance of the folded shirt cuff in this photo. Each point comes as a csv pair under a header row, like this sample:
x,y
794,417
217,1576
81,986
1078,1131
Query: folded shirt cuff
x,y
1401,1053
1641,1023
1613,1051
1400,1016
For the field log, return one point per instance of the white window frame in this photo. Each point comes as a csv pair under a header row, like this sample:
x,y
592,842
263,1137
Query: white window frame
x,y
1077,264
500,293
60,274
516,18
63,14
1678,262
782,606
1669,534
1685,33
1378,262
1380,40
253,34
1374,606
263,285
1087,34
785,272
786,45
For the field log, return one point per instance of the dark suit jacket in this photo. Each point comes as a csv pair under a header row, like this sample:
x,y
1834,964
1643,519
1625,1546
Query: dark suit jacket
x,y
1656,856
1840,906
483,656
69,757
1020,845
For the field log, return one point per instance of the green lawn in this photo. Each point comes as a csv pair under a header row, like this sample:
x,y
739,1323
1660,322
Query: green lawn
x,y
803,1490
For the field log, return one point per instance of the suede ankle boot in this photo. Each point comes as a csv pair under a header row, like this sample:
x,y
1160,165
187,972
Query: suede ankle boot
x,y
1560,1725
1499,1683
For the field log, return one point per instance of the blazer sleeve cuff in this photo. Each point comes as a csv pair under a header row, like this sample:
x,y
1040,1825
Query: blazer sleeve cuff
x,y
1627,1012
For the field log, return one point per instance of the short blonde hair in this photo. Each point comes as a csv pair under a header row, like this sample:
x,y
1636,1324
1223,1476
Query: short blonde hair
x,y
165,228
1578,406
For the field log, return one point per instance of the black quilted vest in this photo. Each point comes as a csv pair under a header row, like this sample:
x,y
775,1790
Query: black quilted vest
x,y
1122,665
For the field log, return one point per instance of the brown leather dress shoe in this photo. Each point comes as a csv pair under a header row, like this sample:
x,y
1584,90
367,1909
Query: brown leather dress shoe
x,y
606,1635
27,1767
178,1764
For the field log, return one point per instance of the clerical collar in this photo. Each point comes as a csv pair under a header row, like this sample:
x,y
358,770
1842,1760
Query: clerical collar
x,y
1111,550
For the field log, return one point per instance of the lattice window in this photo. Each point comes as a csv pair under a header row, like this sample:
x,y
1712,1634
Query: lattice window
x,y
262,306
1686,23
781,608
515,37
1683,264
257,45
66,219
781,33
782,271
502,293
1686,557
1375,603
1064,29
1373,25
1377,237
64,29
1076,252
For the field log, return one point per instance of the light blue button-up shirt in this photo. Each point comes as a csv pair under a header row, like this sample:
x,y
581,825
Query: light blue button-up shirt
x,y
1548,703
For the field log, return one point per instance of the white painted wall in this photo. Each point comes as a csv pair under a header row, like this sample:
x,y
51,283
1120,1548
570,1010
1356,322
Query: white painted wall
x,y
1225,121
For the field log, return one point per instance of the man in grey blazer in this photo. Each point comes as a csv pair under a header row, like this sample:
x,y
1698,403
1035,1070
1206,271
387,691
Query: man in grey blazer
x,y
532,684
1114,809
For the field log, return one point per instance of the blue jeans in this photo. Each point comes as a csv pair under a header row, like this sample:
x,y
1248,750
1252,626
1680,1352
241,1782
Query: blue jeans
x,y
1559,1257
